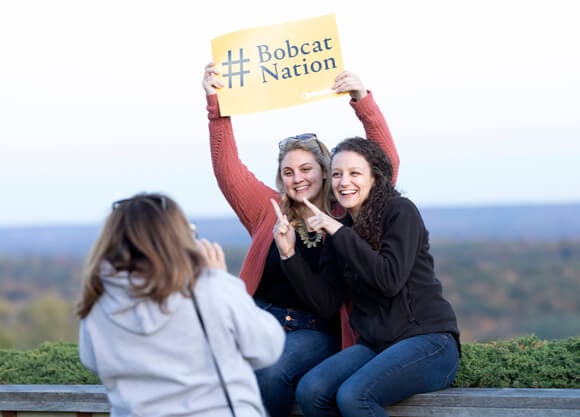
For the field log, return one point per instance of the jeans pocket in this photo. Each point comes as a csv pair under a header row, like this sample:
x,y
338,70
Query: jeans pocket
x,y
291,319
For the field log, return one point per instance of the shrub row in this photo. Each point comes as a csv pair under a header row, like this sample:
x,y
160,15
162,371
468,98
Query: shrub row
x,y
524,362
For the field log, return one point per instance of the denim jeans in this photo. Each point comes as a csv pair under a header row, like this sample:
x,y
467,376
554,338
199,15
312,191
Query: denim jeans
x,y
302,351
359,382
292,319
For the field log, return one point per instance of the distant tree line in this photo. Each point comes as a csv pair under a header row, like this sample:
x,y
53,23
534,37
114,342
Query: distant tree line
x,y
500,290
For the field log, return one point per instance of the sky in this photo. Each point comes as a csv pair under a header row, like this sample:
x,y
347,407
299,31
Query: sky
x,y
102,100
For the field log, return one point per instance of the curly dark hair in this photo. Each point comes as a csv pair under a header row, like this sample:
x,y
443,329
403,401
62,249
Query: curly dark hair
x,y
368,223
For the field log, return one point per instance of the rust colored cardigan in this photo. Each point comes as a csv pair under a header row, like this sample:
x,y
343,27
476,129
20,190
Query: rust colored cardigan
x,y
250,197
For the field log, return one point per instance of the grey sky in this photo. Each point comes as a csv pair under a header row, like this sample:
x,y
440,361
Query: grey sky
x,y
100,100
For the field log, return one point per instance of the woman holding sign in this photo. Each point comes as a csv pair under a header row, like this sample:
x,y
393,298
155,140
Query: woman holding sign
x,y
313,327
378,258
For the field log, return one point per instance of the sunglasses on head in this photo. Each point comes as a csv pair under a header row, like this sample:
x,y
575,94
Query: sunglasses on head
x,y
159,200
303,137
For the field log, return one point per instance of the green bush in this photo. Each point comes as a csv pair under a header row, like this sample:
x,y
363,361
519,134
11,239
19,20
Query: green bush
x,y
50,363
524,362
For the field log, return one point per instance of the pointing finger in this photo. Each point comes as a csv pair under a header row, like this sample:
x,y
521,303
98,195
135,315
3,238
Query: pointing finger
x,y
277,210
312,207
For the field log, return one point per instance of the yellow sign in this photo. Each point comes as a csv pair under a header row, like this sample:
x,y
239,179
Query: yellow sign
x,y
277,65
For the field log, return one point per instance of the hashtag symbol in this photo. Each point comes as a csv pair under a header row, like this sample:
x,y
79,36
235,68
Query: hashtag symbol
x,y
230,73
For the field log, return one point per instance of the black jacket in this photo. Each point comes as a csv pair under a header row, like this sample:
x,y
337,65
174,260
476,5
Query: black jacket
x,y
394,291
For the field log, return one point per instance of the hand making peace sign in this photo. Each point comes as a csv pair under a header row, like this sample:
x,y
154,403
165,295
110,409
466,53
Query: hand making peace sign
x,y
321,221
284,234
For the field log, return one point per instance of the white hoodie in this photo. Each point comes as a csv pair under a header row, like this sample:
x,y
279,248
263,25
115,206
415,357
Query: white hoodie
x,y
156,364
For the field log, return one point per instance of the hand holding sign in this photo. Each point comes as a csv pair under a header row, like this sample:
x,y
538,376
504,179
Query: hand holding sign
x,y
349,82
211,82
284,234
321,221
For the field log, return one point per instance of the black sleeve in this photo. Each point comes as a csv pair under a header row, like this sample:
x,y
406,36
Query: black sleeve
x,y
324,292
387,270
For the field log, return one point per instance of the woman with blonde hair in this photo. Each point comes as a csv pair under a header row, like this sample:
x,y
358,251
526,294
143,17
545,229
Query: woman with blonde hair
x,y
143,281
313,332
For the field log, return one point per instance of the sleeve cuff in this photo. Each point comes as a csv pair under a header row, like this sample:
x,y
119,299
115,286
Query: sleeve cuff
x,y
213,107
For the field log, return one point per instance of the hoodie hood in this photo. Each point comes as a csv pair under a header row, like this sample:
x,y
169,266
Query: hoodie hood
x,y
138,315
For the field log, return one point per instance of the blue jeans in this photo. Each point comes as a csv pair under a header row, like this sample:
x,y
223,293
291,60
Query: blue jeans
x,y
302,351
359,382
292,319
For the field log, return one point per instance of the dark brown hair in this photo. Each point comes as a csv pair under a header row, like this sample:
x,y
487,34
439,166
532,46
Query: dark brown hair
x,y
368,223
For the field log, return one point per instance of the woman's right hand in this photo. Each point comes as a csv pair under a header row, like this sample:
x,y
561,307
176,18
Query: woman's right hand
x,y
284,234
211,82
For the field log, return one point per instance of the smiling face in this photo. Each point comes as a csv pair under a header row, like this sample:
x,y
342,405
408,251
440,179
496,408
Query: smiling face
x,y
301,176
352,180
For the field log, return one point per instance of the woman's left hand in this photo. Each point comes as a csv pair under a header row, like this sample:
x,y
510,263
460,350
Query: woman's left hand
x,y
213,253
349,82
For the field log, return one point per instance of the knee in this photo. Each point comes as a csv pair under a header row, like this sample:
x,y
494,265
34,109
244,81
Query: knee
x,y
346,397
309,391
351,398
303,393
271,375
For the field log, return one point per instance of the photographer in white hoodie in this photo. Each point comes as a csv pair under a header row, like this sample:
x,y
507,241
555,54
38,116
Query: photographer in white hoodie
x,y
139,331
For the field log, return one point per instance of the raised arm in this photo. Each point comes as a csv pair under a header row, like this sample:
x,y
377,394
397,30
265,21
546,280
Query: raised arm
x,y
369,114
248,196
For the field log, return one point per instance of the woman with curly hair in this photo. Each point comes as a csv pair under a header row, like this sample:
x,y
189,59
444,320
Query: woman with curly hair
x,y
377,257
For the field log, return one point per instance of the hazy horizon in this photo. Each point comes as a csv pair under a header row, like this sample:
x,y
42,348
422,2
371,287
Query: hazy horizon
x,y
426,210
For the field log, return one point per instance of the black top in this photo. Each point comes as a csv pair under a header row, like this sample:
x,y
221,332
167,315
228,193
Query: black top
x,y
277,285
394,291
